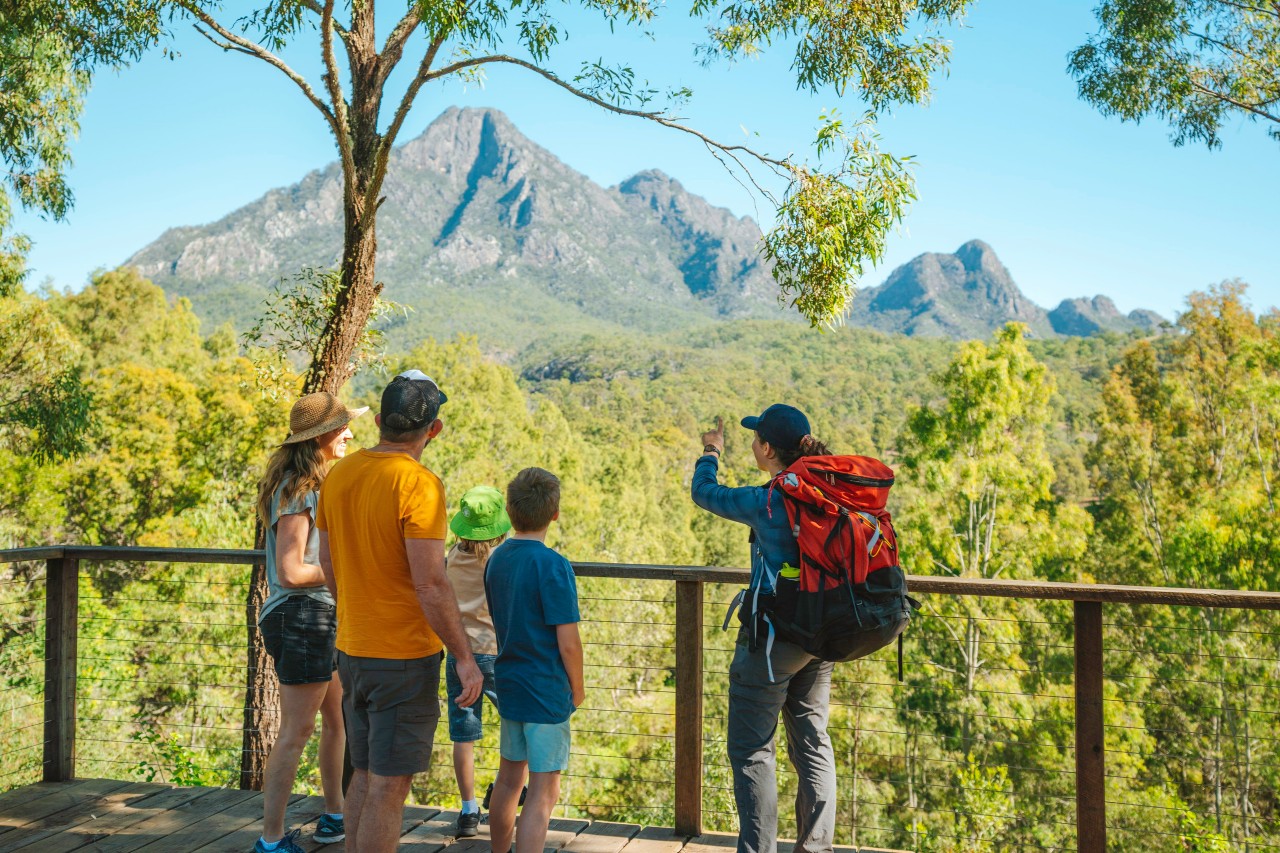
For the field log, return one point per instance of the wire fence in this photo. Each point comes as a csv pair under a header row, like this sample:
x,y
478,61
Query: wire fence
x,y
22,652
973,750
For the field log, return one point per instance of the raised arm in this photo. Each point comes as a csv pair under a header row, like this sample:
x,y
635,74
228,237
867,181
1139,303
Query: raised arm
x,y
440,606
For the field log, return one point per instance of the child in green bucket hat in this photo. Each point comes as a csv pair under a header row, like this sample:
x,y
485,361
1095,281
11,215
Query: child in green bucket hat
x,y
481,524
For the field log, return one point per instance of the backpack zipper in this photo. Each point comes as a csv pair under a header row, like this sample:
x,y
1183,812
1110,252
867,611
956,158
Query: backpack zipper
x,y
855,480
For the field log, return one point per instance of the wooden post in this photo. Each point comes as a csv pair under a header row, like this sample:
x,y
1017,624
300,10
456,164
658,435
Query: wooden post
x,y
1091,807
688,817
62,605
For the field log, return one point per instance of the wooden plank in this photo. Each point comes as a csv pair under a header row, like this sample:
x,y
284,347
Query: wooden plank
x,y
711,842
63,798
225,556
688,745
246,807
23,555
167,823
301,811
60,822
120,819
433,834
62,606
656,839
560,831
1091,770
27,793
601,837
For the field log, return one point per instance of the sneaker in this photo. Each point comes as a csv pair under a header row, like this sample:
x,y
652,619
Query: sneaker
x,y
468,824
288,844
330,830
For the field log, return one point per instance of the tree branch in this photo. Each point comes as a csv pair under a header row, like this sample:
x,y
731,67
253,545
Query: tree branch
x,y
337,28
1213,93
613,108
402,112
244,45
341,122
394,48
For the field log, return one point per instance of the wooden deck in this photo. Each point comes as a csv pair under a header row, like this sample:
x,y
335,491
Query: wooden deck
x,y
110,816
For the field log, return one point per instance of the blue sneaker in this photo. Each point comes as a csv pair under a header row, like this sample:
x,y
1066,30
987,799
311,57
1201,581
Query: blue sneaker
x,y
330,830
288,844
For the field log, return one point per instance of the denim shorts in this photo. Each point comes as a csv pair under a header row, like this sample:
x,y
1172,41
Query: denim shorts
x,y
391,709
467,724
299,635
544,745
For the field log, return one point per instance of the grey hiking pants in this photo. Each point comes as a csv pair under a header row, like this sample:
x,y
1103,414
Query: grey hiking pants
x,y
800,690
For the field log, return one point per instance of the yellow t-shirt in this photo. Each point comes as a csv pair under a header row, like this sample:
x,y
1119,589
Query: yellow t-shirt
x,y
369,504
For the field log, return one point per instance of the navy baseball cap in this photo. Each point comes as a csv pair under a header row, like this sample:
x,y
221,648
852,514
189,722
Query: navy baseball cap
x,y
411,401
780,425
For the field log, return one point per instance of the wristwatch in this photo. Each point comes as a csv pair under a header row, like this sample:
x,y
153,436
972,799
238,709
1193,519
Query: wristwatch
x,y
711,448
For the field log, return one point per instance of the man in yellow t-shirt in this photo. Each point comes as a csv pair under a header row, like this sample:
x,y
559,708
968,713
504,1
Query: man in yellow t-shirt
x,y
381,519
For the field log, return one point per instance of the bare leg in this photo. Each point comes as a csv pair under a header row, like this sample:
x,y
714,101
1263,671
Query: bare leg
x,y
544,790
298,706
502,808
381,813
357,793
464,769
333,742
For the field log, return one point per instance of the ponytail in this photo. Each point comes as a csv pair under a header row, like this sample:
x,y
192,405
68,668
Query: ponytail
x,y
809,446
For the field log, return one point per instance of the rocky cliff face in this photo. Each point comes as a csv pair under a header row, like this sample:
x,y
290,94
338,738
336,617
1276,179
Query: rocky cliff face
x,y
967,294
1083,317
477,221
485,232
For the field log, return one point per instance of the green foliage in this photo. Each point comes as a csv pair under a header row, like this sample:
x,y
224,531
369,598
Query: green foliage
x,y
288,334
973,752
1197,64
47,51
831,223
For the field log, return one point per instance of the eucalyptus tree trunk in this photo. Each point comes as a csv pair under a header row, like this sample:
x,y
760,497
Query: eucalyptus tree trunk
x,y
335,358
262,690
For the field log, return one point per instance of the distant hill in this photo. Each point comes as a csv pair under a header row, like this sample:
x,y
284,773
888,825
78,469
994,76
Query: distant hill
x,y
485,232
970,294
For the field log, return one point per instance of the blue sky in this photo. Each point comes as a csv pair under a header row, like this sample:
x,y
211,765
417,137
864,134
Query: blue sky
x,y
1073,203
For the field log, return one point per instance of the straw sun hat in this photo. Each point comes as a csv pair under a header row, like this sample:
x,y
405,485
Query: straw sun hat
x,y
318,413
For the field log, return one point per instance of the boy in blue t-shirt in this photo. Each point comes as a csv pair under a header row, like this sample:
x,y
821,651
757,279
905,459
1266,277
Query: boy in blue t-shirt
x,y
533,599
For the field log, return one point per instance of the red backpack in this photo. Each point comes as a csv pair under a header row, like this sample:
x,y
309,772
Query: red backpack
x,y
848,597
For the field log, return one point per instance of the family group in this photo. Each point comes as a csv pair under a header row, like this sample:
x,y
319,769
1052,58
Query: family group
x,y
364,602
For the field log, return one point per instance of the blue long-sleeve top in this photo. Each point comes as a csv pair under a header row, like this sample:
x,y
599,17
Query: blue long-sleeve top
x,y
765,514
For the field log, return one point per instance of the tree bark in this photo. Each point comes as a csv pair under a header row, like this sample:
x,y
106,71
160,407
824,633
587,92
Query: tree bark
x,y
262,691
335,357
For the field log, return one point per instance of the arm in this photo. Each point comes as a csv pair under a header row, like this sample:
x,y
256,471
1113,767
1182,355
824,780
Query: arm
x,y
292,531
742,504
326,564
570,643
440,606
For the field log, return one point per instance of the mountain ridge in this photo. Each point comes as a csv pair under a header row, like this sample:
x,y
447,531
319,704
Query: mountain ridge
x,y
485,232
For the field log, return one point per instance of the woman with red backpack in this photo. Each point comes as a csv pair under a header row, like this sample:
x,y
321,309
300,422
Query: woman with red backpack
x,y
770,675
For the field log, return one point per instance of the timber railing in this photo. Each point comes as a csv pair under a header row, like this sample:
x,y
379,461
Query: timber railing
x,y
1004,680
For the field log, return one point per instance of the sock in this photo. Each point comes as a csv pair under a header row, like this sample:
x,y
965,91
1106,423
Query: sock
x,y
470,806
269,845
335,815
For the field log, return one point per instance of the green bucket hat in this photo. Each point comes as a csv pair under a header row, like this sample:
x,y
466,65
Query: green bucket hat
x,y
483,515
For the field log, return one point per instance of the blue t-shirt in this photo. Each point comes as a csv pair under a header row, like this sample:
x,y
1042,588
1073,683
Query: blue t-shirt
x,y
531,590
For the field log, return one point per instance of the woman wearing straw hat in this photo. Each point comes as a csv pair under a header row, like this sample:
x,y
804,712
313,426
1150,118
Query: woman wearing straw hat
x,y
298,619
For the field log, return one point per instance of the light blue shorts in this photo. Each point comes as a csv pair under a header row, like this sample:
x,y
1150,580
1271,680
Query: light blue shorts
x,y
544,745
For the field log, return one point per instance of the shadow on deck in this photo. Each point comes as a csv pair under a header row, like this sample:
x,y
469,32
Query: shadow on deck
x,y
109,816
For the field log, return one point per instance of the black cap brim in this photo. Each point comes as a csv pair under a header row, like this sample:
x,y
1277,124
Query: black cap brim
x,y
751,423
